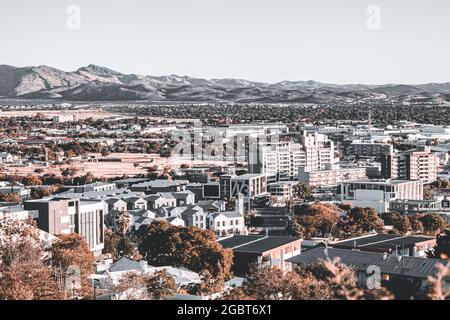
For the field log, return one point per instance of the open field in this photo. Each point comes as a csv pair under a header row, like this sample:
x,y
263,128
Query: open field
x,y
82,113
113,169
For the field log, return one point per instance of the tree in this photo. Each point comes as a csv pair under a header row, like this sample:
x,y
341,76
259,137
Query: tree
x,y
117,245
69,172
442,248
437,287
433,224
72,251
316,219
40,192
160,285
124,222
132,286
236,294
416,225
25,273
360,221
323,280
162,244
295,229
31,180
145,286
302,191
401,223
10,197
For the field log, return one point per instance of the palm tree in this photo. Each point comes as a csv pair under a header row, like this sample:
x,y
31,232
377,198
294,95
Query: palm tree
x,y
124,222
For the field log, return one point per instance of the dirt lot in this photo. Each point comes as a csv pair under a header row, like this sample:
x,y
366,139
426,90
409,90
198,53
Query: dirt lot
x,y
114,169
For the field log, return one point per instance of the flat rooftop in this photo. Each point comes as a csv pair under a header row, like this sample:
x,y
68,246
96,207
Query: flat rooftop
x,y
255,243
385,242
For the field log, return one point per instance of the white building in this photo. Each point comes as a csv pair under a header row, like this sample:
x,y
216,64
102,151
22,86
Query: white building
x,y
330,177
378,193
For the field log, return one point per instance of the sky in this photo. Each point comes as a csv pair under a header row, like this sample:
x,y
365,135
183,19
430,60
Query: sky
x,y
333,41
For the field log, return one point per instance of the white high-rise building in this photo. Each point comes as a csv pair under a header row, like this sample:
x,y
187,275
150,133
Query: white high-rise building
x,y
319,150
281,161
278,162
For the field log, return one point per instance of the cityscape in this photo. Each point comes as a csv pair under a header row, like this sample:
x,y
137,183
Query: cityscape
x,y
123,186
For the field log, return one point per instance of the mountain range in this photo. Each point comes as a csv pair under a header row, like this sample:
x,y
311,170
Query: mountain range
x,y
96,83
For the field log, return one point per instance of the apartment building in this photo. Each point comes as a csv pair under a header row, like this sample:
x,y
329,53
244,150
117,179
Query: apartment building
x,y
280,161
250,185
411,165
282,189
65,216
319,150
331,176
378,194
369,149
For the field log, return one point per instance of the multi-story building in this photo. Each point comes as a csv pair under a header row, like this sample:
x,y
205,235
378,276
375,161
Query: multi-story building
x,y
319,150
225,223
250,185
331,176
377,194
369,149
65,216
280,161
412,165
262,250
282,189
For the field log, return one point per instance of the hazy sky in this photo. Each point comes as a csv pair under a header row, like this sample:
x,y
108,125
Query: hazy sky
x,y
323,40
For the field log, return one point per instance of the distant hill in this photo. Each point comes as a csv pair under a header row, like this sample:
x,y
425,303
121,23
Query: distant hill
x,y
96,83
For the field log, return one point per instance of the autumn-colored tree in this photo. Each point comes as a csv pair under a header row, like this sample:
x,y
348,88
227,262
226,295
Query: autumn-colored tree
x,y
401,223
72,250
162,244
315,282
10,197
416,225
31,180
69,172
145,286
160,285
236,294
433,224
360,221
302,191
316,219
132,286
117,245
438,290
25,273
41,192
442,248
124,222
295,229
